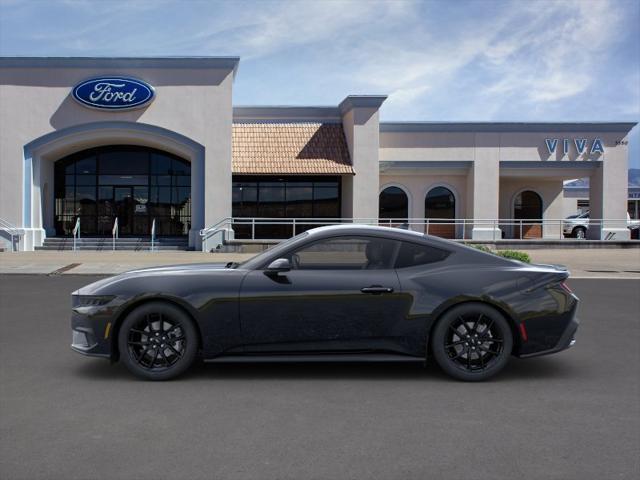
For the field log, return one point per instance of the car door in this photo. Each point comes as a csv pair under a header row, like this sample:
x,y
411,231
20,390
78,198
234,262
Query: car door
x,y
341,294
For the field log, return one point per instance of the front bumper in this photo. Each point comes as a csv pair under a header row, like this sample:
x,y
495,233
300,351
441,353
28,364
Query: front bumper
x,y
567,340
91,329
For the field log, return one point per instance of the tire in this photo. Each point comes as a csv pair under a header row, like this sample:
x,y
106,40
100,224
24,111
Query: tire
x,y
472,342
141,337
580,233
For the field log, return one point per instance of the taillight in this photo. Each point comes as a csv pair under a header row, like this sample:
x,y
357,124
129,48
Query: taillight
x,y
523,332
565,287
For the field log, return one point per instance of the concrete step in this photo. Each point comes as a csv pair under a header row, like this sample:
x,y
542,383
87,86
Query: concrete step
x,y
106,248
99,244
237,247
121,239
126,243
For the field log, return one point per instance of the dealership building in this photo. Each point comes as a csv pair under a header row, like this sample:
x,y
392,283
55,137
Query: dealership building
x,y
158,142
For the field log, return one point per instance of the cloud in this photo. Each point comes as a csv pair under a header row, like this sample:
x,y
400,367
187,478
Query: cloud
x,y
535,52
266,28
554,54
432,58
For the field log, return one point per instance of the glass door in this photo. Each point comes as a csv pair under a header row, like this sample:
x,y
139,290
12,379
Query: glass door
x,y
124,209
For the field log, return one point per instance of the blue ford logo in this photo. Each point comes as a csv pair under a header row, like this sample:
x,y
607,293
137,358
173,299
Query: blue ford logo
x,y
113,93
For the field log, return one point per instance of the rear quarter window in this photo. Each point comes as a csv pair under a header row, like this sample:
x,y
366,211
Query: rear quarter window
x,y
413,254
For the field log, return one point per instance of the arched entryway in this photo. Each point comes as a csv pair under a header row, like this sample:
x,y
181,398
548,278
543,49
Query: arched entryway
x,y
527,212
393,206
134,184
440,210
41,154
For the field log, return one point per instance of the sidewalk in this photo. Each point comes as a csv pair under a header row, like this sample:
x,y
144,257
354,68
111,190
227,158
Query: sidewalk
x,y
106,262
583,263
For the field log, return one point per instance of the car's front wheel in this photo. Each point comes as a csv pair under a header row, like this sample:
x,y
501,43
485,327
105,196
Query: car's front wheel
x,y
472,342
157,341
580,233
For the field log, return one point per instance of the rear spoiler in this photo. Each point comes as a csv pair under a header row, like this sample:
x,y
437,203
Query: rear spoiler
x,y
555,266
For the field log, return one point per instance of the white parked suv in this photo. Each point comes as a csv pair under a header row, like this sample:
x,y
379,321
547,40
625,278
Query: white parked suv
x,y
577,225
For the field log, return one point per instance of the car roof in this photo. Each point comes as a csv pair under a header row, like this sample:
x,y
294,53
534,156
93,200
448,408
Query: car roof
x,y
359,228
389,232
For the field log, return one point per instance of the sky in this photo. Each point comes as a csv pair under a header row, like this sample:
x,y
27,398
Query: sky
x,y
467,60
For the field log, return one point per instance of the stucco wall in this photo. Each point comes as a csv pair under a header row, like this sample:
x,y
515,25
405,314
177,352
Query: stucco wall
x,y
193,102
418,186
552,201
362,129
513,146
569,206
520,150
421,146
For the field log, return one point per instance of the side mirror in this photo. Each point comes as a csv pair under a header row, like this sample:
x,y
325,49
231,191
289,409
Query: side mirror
x,y
278,265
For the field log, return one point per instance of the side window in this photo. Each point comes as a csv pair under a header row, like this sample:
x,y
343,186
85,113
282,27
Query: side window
x,y
412,254
346,253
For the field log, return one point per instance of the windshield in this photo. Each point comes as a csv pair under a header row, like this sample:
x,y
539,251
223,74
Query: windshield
x,y
579,215
260,258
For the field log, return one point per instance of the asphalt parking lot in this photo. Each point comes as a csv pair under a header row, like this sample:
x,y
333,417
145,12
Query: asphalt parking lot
x,y
63,416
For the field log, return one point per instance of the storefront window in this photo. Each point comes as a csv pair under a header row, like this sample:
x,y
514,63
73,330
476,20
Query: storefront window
x,y
394,206
134,184
633,207
283,197
440,210
528,209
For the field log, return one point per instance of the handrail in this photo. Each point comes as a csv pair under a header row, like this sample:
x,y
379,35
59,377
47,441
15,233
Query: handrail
x,y
76,233
215,226
114,233
13,232
153,234
208,232
550,228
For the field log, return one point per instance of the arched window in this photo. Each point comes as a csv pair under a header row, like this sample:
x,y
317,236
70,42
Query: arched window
x,y
394,205
528,207
440,204
133,184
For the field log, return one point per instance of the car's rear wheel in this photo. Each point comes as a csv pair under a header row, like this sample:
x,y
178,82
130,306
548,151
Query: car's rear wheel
x,y
157,341
472,342
580,233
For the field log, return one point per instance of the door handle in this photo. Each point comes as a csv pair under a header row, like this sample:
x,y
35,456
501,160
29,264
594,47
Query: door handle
x,y
376,289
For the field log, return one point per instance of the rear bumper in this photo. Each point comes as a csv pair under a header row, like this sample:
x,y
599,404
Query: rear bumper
x,y
567,340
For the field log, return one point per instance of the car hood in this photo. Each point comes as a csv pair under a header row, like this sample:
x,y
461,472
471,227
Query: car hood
x,y
95,287
187,267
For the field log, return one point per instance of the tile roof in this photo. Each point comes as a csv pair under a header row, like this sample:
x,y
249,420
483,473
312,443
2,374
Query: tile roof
x,y
290,148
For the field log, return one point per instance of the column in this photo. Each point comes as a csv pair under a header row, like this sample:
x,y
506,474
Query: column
x,y
360,121
485,187
608,196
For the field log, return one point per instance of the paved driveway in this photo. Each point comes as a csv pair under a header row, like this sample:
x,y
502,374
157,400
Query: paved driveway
x,y
62,416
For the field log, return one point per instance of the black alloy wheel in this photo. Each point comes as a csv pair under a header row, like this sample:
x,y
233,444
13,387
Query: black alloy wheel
x,y
157,341
472,342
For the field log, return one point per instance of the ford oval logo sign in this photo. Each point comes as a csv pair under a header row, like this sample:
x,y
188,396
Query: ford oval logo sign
x,y
113,93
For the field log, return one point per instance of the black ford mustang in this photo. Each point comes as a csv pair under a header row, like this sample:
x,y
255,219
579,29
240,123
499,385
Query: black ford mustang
x,y
331,294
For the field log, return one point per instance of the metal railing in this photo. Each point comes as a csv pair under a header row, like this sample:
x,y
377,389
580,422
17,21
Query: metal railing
x,y
76,234
12,231
263,229
153,234
114,234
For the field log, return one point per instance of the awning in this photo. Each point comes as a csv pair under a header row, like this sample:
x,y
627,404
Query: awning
x,y
290,149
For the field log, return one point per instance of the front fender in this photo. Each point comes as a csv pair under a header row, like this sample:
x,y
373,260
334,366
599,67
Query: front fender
x,y
209,297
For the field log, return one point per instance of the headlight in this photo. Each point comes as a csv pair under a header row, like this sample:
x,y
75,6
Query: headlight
x,y
91,300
